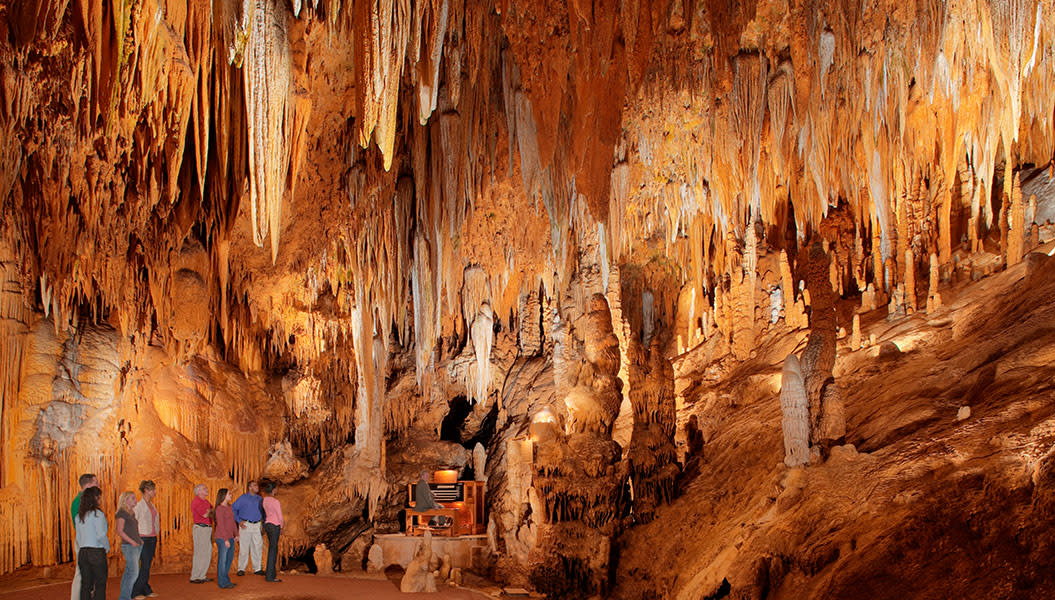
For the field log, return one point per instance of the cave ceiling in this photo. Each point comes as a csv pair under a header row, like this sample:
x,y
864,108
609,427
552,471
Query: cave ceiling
x,y
266,166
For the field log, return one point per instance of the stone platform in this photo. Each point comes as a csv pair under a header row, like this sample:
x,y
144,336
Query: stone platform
x,y
399,549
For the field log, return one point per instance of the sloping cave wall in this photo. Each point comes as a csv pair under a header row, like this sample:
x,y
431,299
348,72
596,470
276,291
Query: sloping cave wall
x,y
272,237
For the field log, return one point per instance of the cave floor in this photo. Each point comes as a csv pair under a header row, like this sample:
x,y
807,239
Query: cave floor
x,y
292,587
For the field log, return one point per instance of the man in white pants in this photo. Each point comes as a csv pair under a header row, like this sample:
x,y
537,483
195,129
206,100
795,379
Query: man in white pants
x,y
201,511
249,514
86,481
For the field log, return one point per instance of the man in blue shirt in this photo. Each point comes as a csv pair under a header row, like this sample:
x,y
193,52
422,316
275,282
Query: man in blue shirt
x,y
249,514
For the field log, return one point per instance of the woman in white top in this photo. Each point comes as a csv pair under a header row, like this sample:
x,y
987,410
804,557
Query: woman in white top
x,y
149,531
93,545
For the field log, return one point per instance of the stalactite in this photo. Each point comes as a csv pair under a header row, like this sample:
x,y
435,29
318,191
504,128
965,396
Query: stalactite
x,y
478,380
270,117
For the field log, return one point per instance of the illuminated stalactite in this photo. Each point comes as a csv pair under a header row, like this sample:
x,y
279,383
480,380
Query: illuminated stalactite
x,y
271,116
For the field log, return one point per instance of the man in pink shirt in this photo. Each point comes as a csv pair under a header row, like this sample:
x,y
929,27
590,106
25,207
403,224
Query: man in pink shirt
x,y
272,527
201,512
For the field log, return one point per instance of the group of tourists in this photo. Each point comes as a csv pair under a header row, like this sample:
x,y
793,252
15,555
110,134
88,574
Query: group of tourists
x,y
139,525
245,517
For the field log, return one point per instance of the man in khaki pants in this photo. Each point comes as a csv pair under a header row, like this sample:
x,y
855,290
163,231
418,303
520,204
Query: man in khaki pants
x,y
249,514
201,511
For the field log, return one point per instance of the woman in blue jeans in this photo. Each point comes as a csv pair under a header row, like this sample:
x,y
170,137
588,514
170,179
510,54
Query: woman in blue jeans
x,y
224,534
131,543
149,530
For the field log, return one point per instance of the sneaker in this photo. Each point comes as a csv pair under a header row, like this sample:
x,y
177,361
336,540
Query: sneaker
x,y
240,573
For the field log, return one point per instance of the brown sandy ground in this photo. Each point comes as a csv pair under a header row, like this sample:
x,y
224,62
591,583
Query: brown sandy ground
x,y
292,587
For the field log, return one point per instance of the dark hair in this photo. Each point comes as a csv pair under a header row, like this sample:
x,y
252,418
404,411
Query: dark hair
x,y
221,496
269,486
89,501
250,483
145,485
85,479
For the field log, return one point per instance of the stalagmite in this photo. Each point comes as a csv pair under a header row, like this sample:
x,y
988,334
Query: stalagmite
x,y
945,226
577,476
868,299
855,335
831,427
896,306
794,313
910,282
933,296
1016,224
795,407
818,359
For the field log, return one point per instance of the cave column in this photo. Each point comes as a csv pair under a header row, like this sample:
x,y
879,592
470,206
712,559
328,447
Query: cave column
x,y
648,301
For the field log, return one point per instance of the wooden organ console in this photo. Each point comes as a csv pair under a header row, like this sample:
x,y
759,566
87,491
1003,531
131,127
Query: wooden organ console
x,y
462,501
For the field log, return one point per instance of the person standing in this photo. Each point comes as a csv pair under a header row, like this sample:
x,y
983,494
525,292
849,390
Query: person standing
x,y
224,534
272,527
131,543
248,514
201,511
92,544
86,481
149,530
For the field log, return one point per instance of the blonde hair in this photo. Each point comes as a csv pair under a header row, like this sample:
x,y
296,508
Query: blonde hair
x,y
123,500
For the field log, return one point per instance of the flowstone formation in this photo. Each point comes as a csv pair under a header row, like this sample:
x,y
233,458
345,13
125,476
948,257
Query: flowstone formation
x,y
338,243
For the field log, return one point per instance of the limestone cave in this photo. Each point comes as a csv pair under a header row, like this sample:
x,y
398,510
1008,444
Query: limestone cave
x,y
670,299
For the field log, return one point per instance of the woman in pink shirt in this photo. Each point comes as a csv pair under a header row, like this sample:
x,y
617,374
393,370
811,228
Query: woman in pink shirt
x,y
224,534
272,527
